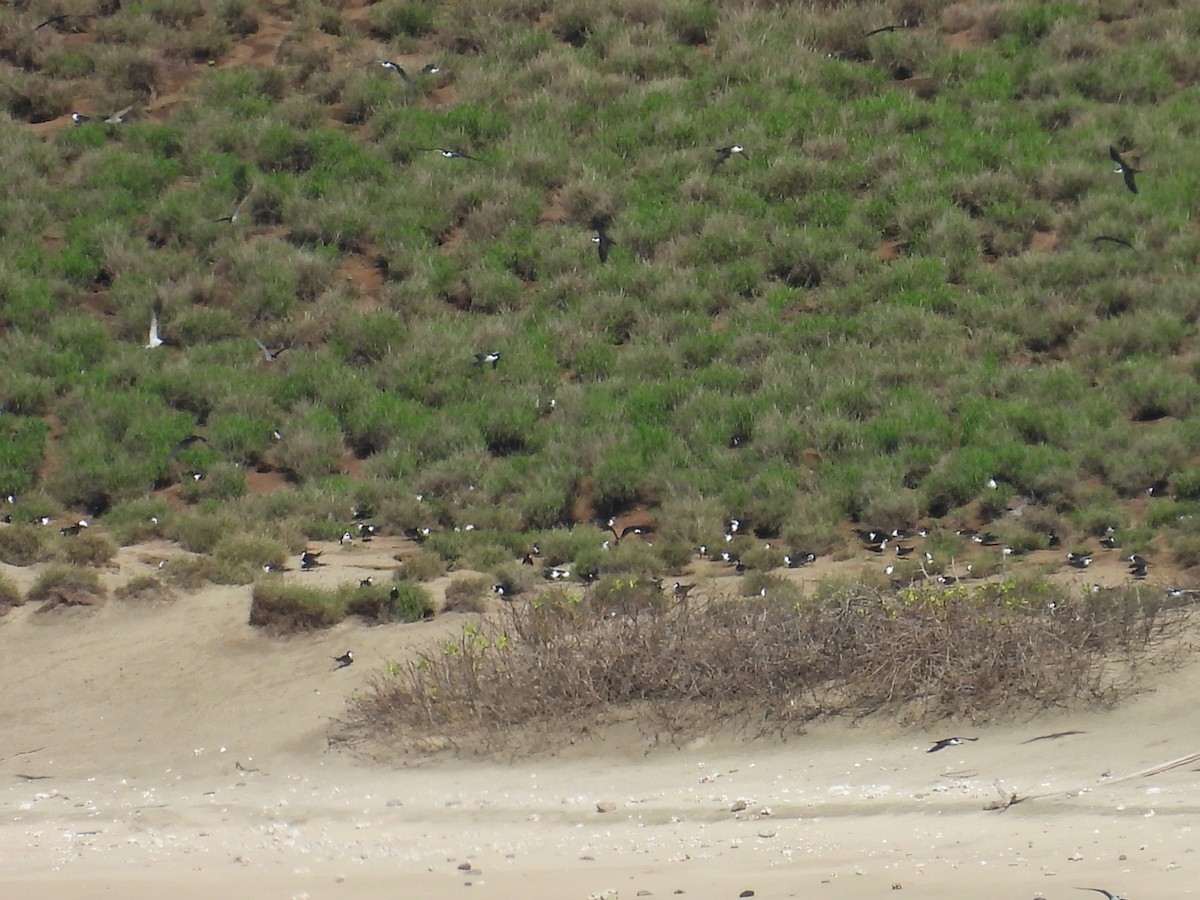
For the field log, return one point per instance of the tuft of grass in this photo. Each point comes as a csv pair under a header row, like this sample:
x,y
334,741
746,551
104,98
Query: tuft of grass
x,y
23,545
89,548
468,594
145,589
285,608
10,595
67,586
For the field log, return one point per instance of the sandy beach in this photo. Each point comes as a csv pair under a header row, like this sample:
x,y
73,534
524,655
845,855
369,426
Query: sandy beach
x,y
171,750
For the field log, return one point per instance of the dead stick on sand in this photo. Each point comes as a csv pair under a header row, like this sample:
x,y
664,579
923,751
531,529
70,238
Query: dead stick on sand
x,y
1161,767
1011,799
22,753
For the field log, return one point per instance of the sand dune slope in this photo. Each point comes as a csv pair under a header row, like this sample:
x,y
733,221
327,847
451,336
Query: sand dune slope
x,y
173,751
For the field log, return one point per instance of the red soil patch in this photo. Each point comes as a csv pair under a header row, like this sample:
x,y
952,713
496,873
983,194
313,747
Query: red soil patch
x,y
172,496
52,458
555,211
889,250
1044,242
261,483
259,48
362,271
351,465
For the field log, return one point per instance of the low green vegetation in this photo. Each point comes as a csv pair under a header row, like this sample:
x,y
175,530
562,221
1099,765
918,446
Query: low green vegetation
x,y
920,294
67,586
748,345
285,607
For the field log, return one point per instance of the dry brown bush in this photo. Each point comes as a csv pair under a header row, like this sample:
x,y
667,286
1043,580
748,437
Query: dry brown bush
x,y
145,589
67,586
562,665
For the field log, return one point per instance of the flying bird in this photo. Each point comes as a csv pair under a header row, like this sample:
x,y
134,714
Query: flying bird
x,y
948,742
724,153
602,242
237,211
344,660
1124,169
1108,894
482,359
399,70
451,154
887,28
155,340
54,20
118,117
268,354
187,442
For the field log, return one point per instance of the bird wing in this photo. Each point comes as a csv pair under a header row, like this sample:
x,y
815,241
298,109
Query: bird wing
x,y
1116,157
267,354
119,116
154,338
1128,174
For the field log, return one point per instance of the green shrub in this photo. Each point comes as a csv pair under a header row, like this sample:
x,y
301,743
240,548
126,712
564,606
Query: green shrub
x,y
145,589
67,586
89,548
10,595
468,594
410,18
22,545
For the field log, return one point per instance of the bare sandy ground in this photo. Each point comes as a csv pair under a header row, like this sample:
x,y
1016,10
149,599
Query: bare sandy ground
x,y
173,751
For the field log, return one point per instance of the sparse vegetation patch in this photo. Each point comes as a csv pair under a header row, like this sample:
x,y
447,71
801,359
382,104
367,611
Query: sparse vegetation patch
x,y
565,663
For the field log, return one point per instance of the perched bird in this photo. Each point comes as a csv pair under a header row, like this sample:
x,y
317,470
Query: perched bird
x,y
366,582
1109,239
723,153
430,69
80,118
72,530
1079,560
485,358
451,154
948,742
602,242
681,591
367,531
155,339
344,660
309,560
796,560
399,70
1124,169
